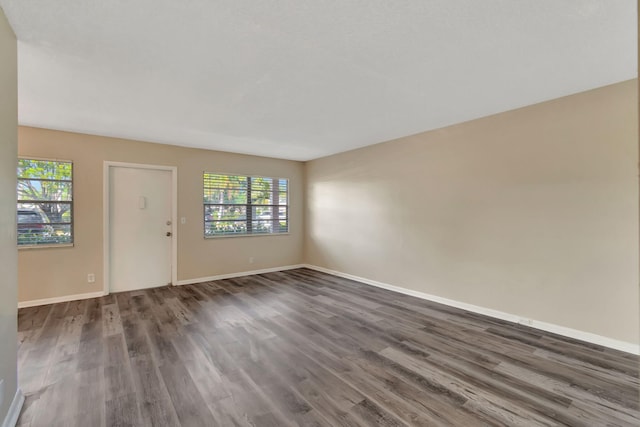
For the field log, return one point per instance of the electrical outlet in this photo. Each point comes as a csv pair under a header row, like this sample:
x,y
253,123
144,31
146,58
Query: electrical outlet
x,y
91,278
250,260
183,220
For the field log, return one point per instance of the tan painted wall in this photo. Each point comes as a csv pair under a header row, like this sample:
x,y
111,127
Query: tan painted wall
x,y
46,273
533,212
8,255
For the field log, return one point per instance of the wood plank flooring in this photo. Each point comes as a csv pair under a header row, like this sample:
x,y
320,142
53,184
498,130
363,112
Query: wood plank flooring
x,y
305,348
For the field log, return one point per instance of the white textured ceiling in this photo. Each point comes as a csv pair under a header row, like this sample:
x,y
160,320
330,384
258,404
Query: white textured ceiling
x,y
301,79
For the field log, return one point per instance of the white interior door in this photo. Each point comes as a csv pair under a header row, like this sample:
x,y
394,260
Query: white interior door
x,y
139,228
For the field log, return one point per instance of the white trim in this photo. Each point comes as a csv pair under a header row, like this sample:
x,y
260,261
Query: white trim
x,y
105,215
65,298
32,247
537,324
13,414
237,236
45,159
239,274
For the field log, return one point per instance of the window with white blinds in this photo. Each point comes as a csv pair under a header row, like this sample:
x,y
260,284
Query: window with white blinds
x,y
236,205
45,202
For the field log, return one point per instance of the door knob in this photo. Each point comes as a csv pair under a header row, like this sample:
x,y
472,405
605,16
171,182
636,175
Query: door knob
x,y
168,234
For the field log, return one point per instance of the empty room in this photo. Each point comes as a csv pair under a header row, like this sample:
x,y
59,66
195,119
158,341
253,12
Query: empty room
x,y
319,213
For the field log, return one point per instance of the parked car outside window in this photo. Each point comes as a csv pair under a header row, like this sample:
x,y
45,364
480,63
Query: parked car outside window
x,y
31,222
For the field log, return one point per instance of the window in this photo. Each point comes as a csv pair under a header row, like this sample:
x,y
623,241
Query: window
x,y
245,205
45,202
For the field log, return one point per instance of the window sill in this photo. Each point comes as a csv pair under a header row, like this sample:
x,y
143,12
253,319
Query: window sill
x,y
246,235
31,247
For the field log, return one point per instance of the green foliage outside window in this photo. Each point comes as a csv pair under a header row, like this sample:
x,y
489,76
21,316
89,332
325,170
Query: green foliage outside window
x,y
242,205
45,202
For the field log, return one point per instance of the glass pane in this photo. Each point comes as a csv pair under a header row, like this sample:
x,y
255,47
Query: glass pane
x,y
219,213
283,212
262,212
223,192
225,196
44,213
216,228
262,226
265,222
261,191
33,189
212,180
47,186
44,234
284,191
44,169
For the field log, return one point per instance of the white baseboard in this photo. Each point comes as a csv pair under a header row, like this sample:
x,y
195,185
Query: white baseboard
x,y
549,327
14,410
239,274
65,298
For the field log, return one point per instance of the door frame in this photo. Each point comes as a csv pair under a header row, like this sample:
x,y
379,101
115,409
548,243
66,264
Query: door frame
x,y
106,221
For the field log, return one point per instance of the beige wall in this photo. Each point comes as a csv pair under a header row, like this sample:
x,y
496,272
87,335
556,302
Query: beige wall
x,y
532,212
8,255
46,273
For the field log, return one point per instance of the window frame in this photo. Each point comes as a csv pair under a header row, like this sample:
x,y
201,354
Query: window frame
x,y
71,204
249,217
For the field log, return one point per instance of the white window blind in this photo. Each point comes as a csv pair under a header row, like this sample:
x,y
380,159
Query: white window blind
x,y
245,205
45,202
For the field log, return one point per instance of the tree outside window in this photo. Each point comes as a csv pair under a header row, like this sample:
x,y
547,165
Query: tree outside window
x,y
244,205
45,202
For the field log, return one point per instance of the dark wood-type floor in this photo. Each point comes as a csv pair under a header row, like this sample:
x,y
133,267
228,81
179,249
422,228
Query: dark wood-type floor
x,y
305,348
